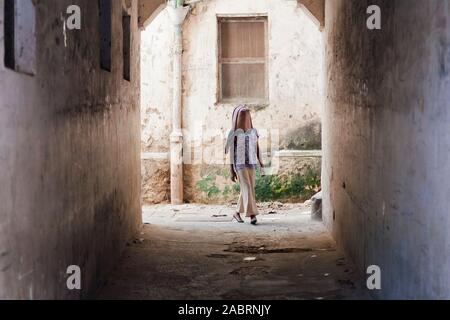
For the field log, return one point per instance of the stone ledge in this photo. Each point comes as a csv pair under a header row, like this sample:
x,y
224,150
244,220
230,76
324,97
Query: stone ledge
x,y
155,156
298,154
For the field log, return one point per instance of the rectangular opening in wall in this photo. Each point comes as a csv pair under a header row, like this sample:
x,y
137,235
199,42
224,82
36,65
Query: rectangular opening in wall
x,y
126,28
243,59
105,34
9,34
20,36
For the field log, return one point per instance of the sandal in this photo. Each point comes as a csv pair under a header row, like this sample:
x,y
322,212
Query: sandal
x,y
237,217
254,221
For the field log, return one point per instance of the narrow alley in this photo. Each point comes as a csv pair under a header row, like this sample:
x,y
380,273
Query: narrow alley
x,y
195,252
131,131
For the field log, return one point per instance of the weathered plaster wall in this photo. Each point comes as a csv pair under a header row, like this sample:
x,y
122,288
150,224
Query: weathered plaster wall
x,y
69,152
295,65
386,142
156,108
155,178
297,178
157,84
295,70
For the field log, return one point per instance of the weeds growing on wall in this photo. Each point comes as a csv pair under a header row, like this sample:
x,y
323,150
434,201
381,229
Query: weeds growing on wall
x,y
208,187
287,187
297,187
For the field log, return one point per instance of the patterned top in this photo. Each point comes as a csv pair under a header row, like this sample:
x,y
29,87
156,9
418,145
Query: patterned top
x,y
244,153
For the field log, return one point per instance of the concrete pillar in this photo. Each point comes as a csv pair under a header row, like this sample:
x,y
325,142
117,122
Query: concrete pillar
x,y
177,14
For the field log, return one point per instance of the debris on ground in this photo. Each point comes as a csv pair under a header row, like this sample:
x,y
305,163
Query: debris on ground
x,y
189,252
271,208
316,207
135,241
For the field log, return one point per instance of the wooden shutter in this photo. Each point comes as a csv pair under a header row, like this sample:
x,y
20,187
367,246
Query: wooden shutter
x,y
243,59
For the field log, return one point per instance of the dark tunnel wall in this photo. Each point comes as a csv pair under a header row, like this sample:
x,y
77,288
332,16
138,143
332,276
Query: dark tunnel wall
x,y
70,155
387,142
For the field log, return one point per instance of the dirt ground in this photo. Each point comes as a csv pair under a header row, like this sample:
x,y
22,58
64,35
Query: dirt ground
x,y
196,252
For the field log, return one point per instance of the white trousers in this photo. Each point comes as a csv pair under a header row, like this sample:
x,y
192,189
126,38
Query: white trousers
x,y
247,199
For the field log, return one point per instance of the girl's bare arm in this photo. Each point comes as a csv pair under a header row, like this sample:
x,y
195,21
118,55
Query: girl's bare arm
x,y
233,174
259,156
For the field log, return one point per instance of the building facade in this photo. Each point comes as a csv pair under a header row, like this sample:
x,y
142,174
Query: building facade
x,y
264,54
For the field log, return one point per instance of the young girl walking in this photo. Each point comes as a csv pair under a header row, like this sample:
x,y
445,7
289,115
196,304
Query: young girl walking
x,y
243,147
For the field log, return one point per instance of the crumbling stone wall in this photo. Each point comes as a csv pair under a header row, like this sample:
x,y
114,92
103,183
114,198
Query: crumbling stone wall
x,y
291,119
70,155
297,178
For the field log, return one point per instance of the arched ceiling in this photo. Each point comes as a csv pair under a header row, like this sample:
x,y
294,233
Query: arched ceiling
x,y
315,9
149,9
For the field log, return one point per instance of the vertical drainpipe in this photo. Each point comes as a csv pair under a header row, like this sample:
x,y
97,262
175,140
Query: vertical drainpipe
x,y
177,13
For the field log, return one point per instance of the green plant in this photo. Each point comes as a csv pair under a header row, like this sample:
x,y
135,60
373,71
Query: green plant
x,y
297,187
293,187
207,185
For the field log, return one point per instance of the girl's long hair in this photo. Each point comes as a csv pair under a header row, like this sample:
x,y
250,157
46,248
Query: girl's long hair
x,y
236,112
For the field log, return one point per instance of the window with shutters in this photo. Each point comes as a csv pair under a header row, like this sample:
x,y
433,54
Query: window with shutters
x,y
243,59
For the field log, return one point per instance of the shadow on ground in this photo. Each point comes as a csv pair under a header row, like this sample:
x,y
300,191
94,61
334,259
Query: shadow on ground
x,y
196,252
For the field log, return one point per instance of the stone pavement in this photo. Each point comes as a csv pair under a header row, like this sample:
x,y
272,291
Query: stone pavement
x,y
196,252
